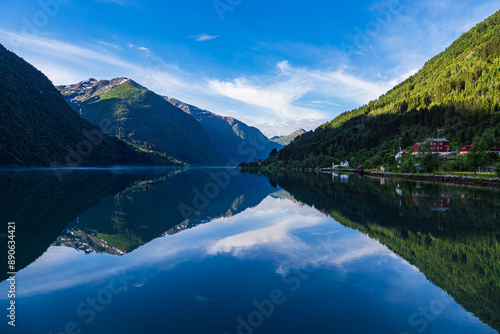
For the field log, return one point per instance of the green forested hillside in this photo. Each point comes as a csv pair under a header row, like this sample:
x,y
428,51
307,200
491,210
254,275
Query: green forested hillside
x,y
458,92
143,118
38,128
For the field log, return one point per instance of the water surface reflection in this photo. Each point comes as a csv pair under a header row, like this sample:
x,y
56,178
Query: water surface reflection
x,y
334,253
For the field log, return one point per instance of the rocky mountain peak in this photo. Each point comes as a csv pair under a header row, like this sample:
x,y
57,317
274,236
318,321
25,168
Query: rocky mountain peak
x,y
90,88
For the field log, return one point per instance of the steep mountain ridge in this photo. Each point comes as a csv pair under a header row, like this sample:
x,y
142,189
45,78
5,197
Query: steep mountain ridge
x,y
90,88
143,118
285,140
38,128
230,135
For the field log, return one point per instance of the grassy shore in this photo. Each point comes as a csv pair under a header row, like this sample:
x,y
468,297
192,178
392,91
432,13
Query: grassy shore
x,y
465,178
480,179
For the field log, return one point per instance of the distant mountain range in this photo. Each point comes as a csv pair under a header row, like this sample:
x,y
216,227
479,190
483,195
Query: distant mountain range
x,y
144,119
165,125
230,135
38,128
285,140
111,122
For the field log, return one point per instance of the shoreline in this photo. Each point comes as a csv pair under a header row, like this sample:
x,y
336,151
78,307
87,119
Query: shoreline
x,y
455,179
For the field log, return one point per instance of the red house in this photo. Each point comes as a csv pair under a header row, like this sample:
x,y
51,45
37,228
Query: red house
x,y
439,145
465,149
416,147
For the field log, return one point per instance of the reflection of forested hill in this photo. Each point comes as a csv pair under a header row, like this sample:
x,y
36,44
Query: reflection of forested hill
x,y
163,206
41,206
452,234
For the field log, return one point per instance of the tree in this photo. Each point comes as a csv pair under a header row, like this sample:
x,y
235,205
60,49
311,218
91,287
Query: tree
x,y
476,156
273,153
428,159
497,169
390,160
490,157
408,163
377,160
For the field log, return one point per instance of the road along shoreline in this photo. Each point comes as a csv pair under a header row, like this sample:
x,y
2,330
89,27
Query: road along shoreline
x,y
456,179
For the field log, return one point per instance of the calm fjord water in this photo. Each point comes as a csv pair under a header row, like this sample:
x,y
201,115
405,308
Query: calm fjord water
x,y
219,251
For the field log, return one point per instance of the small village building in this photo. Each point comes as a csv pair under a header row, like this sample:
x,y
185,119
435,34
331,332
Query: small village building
x,y
401,153
439,145
465,149
416,147
495,150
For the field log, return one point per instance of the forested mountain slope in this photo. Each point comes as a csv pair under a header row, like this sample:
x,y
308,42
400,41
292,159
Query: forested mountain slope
x,y
143,118
38,128
457,91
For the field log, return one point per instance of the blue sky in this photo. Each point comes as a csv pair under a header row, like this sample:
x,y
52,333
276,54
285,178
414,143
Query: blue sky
x,y
278,65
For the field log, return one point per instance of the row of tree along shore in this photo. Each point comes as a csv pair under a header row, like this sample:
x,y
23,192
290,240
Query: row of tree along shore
x,y
431,156
456,179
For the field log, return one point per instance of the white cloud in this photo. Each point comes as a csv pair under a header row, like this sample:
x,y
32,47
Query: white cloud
x,y
123,3
325,102
284,94
130,46
278,103
165,253
276,97
282,128
278,232
421,30
110,45
66,63
288,96
204,37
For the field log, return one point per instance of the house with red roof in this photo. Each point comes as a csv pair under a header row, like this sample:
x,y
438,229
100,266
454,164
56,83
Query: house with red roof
x,y
439,145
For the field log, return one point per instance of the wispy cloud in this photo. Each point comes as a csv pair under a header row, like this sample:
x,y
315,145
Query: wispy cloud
x,y
263,232
66,63
315,83
204,37
325,103
132,46
419,31
123,3
285,93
